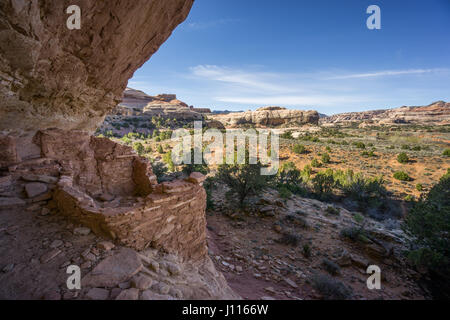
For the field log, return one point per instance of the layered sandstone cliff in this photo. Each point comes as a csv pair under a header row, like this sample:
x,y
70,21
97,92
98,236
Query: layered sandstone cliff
x,y
437,113
167,106
268,116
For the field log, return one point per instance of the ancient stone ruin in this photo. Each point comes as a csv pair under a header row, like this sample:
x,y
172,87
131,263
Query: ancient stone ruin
x,y
56,86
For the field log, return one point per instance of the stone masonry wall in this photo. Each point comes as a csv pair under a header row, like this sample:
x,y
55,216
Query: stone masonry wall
x,y
108,188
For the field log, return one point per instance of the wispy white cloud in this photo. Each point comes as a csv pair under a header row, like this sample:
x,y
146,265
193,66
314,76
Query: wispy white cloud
x,y
386,73
299,100
250,80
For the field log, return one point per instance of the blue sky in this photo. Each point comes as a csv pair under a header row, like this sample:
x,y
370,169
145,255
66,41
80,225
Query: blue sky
x,y
244,54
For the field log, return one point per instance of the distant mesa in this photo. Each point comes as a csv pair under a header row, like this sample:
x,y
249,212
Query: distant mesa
x,y
270,116
437,113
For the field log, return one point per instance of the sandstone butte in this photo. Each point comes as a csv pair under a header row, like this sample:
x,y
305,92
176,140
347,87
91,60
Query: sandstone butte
x,y
57,85
268,116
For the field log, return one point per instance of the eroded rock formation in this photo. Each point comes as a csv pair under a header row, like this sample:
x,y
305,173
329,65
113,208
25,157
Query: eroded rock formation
x,y
437,113
53,77
269,116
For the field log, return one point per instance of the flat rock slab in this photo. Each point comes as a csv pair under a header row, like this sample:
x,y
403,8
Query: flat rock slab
x,y
6,203
114,270
35,188
81,231
39,178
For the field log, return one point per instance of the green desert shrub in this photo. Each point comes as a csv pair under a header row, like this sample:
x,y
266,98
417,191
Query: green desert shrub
x,y
287,135
402,176
403,158
323,183
358,187
284,192
299,149
160,149
428,224
419,187
126,140
139,148
369,154
332,210
326,158
290,178
315,163
359,145
446,153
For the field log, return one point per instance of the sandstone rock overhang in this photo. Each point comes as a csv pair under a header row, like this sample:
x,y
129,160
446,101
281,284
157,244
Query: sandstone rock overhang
x,y
53,77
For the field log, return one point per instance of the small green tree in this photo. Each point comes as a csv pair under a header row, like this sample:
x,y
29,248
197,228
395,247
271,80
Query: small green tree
x,y
243,180
160,149
167,158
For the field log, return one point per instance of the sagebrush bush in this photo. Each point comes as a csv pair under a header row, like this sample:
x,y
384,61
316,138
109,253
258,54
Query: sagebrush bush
x,y
446,153
331,267
331,289
289,238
